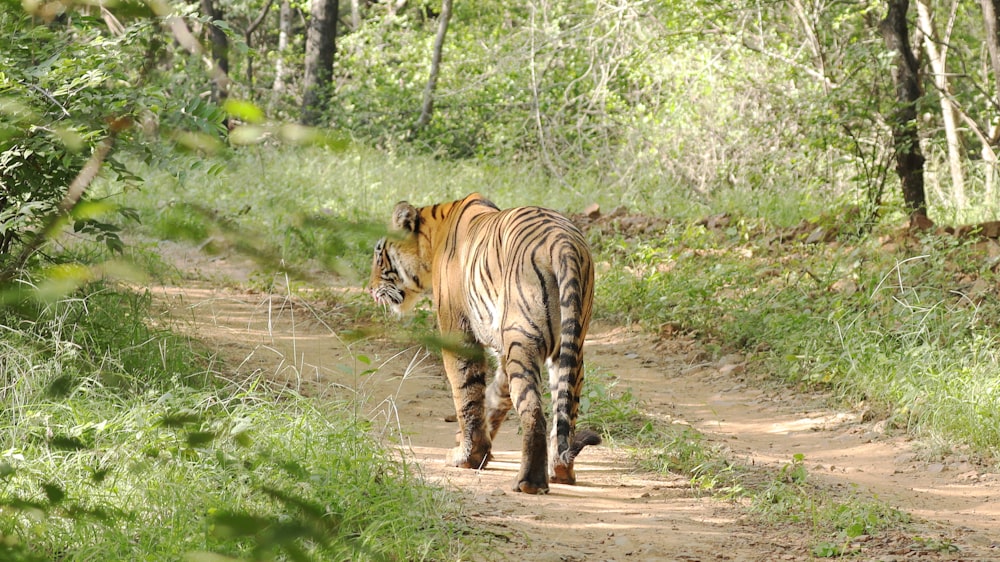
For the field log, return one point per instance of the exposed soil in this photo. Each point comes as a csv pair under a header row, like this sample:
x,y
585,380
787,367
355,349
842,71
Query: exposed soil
x,y
616,512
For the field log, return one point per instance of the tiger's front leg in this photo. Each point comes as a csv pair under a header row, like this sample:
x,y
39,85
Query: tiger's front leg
x,y
467,377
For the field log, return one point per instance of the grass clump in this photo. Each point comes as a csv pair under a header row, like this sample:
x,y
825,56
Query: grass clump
x,y
683,450
607,407
118,443
789,498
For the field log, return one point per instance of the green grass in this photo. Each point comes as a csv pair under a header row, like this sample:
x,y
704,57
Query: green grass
x,y
788,497
609,407
118,441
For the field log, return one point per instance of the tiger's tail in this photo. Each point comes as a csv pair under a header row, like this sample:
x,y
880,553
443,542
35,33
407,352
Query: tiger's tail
x,y
576,285
582,438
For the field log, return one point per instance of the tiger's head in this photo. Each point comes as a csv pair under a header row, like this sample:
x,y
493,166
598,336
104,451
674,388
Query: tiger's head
x,y
401,272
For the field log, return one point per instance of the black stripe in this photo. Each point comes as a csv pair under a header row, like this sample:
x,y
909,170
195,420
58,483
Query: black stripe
x,y
478,379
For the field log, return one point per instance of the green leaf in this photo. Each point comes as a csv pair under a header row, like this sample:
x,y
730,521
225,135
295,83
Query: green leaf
x,y
826,550
201,556
856,529
247,134
179,419
454,344
241,433
89,210
99,474
244,110
197,142
60,387
229,524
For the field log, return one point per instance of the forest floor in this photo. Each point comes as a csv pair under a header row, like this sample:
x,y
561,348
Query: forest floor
x,y
616,511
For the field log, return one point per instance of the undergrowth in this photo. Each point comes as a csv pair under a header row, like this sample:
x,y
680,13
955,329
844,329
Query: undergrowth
x,y
608,407
118,441
835,519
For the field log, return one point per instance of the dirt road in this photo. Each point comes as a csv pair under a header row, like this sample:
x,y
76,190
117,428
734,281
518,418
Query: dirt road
x,y
615,512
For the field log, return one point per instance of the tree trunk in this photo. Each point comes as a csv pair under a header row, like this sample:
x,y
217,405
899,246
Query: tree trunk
x,y
355,15
284,32
220,51
938,58
428,105
395,6
321,47
905,136
991,18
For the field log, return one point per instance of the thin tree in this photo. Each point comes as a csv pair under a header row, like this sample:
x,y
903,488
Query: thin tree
x,y
321,48
936,48
991,19
905,135
427,109
220,51
284,32
248,39
355,15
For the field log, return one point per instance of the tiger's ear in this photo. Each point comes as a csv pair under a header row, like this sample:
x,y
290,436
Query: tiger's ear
x,y
405,217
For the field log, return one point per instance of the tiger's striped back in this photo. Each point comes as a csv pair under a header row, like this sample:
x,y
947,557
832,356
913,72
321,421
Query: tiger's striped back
x,y
520,282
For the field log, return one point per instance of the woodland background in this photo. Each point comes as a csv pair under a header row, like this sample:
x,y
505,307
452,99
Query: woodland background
x,y
823,100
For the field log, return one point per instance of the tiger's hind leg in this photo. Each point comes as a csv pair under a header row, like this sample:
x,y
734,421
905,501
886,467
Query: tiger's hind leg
x,y
521,364
498,402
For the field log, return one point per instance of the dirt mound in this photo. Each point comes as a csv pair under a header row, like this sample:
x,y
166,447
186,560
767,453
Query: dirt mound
x,y
618,221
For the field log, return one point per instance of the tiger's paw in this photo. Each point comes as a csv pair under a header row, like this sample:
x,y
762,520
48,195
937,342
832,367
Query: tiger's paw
x,y
532,479
527,487
563,474
460,457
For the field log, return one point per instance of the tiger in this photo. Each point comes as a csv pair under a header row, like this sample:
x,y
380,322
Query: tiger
x,y
518,283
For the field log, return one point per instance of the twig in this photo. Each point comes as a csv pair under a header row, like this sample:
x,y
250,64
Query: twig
x,y
48,96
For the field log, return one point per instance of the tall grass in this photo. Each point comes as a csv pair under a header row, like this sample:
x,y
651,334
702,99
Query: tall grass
x,y
118,442
312,203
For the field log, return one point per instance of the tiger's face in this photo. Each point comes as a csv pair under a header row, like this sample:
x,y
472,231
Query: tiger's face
x,y
399,277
